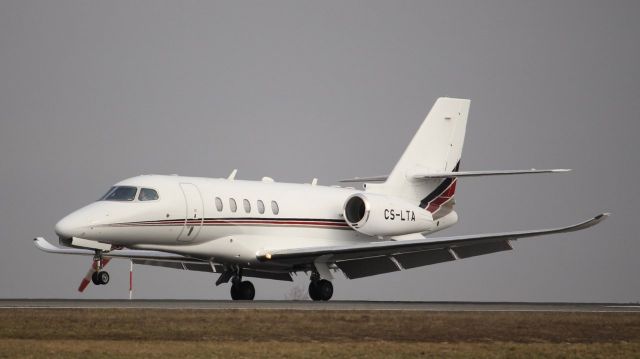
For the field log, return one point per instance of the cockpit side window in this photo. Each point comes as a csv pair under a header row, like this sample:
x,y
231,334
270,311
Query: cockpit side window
x,y
121,193
148,194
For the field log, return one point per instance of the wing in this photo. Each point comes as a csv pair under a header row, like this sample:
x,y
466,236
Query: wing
x,y
361,260
161,259
45,246
214,268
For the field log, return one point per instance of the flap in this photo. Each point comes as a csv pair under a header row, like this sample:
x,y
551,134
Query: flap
x,y
473,250
424,258
367,267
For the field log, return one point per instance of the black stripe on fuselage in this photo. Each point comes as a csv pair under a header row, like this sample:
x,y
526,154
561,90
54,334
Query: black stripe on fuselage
x,y
246,221
337,221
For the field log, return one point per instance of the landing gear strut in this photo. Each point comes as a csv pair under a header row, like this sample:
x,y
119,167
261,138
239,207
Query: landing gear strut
x,y
99,277
320,289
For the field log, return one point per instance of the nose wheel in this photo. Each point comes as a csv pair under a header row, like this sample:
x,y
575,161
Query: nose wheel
x,y
100,278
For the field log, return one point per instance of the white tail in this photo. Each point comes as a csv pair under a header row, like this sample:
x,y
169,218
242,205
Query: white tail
x,y
435,148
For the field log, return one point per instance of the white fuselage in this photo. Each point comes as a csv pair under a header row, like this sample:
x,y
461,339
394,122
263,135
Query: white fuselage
x,y
194,216
185,218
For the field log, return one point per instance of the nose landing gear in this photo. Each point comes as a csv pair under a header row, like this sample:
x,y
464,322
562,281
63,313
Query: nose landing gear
x,y
99,277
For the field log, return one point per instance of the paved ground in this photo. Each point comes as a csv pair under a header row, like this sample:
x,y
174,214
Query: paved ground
x,y
331,305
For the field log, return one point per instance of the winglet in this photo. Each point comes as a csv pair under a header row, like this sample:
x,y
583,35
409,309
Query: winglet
x,y
602,216
43,245
232,176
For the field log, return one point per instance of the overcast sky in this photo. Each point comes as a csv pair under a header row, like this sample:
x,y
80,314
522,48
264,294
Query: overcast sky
x,y
92,92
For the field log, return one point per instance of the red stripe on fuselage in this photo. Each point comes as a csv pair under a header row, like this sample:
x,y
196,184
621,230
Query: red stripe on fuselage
x,y
232,221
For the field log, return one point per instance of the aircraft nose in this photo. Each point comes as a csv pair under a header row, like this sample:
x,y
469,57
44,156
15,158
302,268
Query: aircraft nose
x,y
69,226
82,222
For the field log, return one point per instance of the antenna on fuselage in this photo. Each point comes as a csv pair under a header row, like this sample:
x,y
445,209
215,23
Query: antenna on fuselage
x,y
232,176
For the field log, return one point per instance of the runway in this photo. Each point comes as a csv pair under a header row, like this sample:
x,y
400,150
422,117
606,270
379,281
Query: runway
x,y
315,306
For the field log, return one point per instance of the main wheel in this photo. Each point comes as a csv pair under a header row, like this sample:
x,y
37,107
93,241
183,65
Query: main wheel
x,y
247,290
235,292
320,290
313,290
103,277
325,289
243,291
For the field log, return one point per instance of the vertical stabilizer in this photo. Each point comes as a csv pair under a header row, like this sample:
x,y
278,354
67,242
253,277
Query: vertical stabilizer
x,y
436,147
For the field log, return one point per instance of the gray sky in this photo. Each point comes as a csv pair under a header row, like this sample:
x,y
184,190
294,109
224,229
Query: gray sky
x,y
94,92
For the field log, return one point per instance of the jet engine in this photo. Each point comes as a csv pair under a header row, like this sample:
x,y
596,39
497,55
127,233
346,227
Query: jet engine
x,y
381,215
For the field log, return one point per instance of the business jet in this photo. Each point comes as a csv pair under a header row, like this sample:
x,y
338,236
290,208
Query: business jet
x,y
264,229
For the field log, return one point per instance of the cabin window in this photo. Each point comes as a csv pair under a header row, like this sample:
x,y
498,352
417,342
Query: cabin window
x,y
274,207
219,204
232,205
260,207
148,194
120,193
247,205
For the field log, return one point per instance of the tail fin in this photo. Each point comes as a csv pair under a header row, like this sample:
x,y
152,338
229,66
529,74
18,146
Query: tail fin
x,y
436,147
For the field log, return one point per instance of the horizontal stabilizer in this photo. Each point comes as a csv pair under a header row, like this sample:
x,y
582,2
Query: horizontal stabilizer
x,y
427,175
436,175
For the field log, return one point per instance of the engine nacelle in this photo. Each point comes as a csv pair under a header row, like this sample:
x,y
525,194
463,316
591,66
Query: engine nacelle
x,y
381,215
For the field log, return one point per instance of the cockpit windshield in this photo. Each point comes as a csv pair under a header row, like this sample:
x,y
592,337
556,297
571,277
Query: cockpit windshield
x,y
120,193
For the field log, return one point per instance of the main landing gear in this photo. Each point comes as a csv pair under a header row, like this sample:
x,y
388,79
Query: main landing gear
x,y
240,290
320,289
99,277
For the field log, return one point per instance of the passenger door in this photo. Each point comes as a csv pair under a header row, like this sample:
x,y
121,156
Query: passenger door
x,y
194,212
